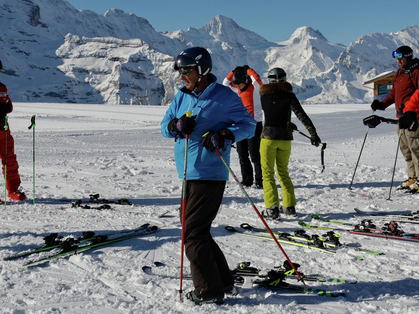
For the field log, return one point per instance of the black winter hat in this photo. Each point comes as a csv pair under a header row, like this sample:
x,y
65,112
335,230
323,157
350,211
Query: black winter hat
x,y
403,52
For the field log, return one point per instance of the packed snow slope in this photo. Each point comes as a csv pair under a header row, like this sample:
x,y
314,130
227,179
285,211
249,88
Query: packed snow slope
x,y
118,152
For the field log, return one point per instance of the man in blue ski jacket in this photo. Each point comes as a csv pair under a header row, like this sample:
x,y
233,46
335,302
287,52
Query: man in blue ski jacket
x,y
218,118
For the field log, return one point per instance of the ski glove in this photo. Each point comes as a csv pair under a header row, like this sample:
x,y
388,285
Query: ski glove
x,y
185,124
4,109
377,105
219,140
372,121
182,126
315,140
171,127
408,121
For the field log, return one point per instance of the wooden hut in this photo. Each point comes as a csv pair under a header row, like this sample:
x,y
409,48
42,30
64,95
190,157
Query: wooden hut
x,y
383,83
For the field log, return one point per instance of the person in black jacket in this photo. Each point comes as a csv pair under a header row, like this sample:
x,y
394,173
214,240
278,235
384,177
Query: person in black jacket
x,y
278,101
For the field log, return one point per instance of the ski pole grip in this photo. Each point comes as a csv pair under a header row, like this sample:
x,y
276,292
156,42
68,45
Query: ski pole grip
x,y
32,122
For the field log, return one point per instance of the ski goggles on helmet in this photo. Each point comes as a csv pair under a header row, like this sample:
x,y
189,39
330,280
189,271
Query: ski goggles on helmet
x,y
186,71
399,55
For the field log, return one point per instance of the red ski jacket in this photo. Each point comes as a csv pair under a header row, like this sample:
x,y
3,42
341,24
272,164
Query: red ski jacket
x,y
407,81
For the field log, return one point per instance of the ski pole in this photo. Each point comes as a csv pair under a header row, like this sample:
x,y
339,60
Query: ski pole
x,y
32,126
6,127
394,167
260,216
184,186
359,157
294,128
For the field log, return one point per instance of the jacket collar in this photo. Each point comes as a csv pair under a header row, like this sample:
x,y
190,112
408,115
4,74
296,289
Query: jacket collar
x,y
206,91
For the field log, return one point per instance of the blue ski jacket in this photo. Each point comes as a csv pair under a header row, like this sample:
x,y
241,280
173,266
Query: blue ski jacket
x,y
216,109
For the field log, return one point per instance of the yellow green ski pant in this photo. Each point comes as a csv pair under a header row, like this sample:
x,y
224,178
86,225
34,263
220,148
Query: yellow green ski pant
x,y
276,152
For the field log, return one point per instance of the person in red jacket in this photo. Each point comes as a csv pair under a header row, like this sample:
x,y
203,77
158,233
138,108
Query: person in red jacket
x,y
12,178
407,81
244,81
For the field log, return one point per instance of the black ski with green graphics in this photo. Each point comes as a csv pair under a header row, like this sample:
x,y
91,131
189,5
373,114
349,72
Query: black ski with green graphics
x,y
69,248
328,240
404,237
274,280
284,241
403,217
52,241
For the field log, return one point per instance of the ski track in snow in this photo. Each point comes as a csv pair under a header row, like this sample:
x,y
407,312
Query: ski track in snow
x,y
118,152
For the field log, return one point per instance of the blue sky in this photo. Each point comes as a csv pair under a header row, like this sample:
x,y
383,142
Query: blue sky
x,y
339,21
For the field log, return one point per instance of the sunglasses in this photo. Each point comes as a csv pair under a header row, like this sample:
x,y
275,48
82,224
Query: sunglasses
x,y
186,71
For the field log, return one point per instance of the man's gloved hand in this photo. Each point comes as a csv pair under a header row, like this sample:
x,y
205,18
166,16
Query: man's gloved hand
x,y
408,121
315,140
218,140
171,127
377,105
294,127
182,126
372,121
185,124
4,109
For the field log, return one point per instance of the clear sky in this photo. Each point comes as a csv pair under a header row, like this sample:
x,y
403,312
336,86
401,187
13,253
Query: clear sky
x,y
340,21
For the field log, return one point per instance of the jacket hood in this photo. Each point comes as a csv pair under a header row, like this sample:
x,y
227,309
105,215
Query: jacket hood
x,y
272,88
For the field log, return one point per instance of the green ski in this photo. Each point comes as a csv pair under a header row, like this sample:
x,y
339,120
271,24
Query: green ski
x,y
70,248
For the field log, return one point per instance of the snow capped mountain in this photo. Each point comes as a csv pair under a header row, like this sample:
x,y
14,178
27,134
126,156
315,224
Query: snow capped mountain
x,y
54,52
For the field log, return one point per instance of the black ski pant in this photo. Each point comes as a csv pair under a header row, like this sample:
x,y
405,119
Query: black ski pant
x,y
250,147
209,268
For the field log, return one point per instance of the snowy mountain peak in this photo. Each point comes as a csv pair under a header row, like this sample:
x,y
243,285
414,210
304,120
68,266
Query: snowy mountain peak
x,y
222,27
304,33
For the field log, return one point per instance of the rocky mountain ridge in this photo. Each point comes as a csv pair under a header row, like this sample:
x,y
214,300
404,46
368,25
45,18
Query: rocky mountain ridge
x,y
52,52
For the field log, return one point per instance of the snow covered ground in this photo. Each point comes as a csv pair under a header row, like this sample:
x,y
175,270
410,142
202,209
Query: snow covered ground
x,y
118,152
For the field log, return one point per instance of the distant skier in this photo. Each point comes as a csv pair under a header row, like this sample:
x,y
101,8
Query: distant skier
x,y
13,178
244,81
278,101
218,119
407,81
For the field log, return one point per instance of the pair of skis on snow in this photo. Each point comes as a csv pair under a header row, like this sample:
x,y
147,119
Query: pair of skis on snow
x,y
247,277
327,243
390,230
95,199
405,217
61,247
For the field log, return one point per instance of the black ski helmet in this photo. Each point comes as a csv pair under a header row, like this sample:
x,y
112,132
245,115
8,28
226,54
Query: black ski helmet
x,y
196,56
240,76
276,74
403,52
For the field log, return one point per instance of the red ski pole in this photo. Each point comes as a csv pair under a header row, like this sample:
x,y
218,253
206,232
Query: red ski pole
x,y
260,216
